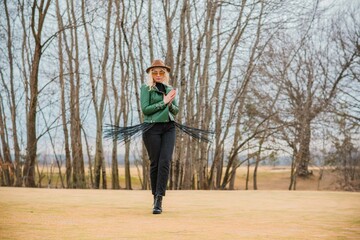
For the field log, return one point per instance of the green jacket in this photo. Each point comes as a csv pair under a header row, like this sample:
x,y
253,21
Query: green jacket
x,y
153,106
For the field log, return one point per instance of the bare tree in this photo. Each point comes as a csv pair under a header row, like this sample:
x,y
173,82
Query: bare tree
x,y
131,77
179,78
6,162
12,96
40,9
345,156
115,184
305,95
78,171
99,106
63,102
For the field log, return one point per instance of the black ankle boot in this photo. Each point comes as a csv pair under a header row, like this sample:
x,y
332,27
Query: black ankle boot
x,y
157,205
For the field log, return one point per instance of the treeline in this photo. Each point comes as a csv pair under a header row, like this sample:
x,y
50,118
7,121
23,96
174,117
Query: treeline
x,y
270,78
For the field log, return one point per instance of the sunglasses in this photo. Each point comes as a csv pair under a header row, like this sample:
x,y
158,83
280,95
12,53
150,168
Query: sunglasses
x,y
160,73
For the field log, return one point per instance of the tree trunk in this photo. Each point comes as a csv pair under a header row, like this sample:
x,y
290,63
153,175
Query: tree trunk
x,y
127,167
115,184
149,31
31,146
303,156
247,175
90,161
6,163
13,103
2,177
293,171
99,157
62,99
233,177
76,141
255,171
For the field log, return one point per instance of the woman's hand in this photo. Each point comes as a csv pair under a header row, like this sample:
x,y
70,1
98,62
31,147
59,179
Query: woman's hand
x,y
170,96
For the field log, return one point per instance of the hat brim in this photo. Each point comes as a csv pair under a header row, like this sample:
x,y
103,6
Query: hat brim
x,y
166,67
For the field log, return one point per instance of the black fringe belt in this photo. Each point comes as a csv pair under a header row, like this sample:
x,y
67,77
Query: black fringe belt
x,y
125,134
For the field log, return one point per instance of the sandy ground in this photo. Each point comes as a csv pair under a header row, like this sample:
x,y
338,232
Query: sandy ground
x,y
108,214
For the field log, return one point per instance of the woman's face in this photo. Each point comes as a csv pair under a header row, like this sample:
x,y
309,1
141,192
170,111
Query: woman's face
x,y
158,74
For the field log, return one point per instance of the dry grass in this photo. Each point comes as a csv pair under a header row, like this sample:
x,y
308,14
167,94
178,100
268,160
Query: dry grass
x,y
108,214
278,178
269,178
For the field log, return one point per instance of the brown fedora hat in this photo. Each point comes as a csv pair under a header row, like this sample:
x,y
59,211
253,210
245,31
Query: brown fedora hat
x,y
158,63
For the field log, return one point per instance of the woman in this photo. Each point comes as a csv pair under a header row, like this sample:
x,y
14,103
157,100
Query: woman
x,y
159,106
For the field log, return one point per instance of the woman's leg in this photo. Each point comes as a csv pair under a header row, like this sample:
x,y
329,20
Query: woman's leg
x,y
152,141
167,148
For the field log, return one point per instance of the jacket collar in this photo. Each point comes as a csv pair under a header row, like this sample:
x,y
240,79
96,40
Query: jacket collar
x,y
167,88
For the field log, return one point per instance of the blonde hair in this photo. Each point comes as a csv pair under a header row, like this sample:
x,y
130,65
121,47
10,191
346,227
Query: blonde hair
x,y
151,82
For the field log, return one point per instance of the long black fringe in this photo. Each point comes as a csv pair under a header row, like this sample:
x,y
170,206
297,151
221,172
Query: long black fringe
x,y
125,134
196,133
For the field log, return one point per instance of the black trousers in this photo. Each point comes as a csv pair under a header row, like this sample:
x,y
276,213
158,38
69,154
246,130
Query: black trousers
x,y
159,141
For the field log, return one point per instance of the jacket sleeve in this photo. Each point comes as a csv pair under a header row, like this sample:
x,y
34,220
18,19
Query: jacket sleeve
x,y
173,107
146,107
